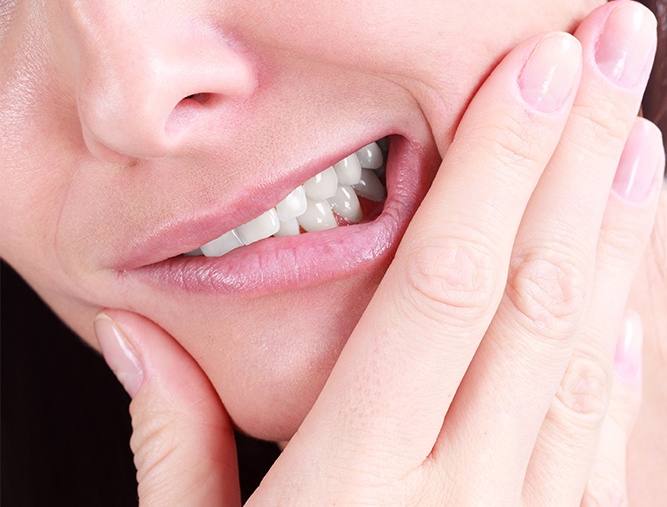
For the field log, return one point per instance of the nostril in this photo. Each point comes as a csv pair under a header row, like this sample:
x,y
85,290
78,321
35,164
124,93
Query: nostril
x,y
201,98
186,112
204,99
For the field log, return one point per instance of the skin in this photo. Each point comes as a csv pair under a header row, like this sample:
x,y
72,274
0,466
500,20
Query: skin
x,y
100,175
70,268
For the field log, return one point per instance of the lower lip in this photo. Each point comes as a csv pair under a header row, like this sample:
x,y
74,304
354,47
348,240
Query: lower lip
x,y
293,262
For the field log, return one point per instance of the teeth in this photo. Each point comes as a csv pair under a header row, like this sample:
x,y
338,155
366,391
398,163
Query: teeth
x,y
318,217
322,185
370,157
288,228
346,204
311,206
293,205
220,246
265,225
348,170
370,186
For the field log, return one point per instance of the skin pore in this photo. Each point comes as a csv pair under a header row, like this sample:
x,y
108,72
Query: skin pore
x,y
266,352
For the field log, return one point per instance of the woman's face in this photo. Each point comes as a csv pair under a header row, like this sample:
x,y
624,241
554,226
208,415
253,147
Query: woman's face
x,y
135,131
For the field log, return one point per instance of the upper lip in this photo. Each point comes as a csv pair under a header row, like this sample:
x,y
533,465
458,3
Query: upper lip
x,y
173,237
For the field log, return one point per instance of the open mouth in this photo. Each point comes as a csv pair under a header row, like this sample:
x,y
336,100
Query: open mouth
x,y
266,254
348,192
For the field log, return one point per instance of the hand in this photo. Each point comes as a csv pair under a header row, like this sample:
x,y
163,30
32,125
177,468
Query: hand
x,y
481,370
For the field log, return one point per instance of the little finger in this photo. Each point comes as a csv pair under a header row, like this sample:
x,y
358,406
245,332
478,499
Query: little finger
x,y
576,413
607,481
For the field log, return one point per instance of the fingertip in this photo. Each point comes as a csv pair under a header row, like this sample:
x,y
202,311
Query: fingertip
x,y
136,349
551,73
119,353
642,163
626,44
628,358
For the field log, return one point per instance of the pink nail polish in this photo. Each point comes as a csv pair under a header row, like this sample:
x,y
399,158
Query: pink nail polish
x,y
626,45
548,77
119,354
628,358
639,163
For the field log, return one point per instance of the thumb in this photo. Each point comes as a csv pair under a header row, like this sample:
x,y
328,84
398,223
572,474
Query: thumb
x,y
182,438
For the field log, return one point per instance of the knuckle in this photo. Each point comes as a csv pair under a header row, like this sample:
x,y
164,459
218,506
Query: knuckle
x,y
602,124
548,292
605,492
455,281
512,144
152,443
583,394
623,239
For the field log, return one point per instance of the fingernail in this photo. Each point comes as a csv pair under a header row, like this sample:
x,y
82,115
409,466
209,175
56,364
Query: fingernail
x,y
640,161
548,77
629,347
119,354
626,45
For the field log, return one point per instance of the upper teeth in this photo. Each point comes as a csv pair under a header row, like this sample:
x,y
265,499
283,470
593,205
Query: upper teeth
x,y
311,206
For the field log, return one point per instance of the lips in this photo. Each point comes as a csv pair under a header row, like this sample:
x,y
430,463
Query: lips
x,y
292,262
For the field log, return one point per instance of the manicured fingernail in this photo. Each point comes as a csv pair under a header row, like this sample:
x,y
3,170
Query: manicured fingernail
x,y
626,45
628,359
641,159
548,77
119,354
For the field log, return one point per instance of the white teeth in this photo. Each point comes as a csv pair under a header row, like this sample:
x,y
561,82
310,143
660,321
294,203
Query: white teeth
x,y
265,225
288,228
311,206
322,185
370,186
293,205
348,170
318,217
194,253
370,157
220,246
346,204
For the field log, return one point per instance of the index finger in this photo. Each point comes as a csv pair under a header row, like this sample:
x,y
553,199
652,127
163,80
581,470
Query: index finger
x,y
403,363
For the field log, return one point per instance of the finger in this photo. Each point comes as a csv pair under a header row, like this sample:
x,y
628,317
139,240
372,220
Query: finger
x,y
517,369
390,389
606,484
577,412
182,439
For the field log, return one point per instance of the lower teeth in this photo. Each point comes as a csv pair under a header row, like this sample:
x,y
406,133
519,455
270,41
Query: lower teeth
x,y
314,205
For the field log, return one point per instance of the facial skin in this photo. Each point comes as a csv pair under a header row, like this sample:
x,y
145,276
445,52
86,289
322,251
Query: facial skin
x,y
103,154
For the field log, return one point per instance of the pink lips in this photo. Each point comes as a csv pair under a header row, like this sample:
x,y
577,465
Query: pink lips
x,y
291,262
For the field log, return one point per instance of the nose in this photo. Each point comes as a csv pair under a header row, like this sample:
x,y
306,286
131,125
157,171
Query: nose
x,y
150,80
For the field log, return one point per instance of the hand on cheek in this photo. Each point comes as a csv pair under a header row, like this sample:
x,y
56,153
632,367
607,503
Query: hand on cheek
x,y
508,288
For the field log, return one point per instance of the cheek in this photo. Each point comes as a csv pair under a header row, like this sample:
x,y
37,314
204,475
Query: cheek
x,y
469,45
40,139
34,185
